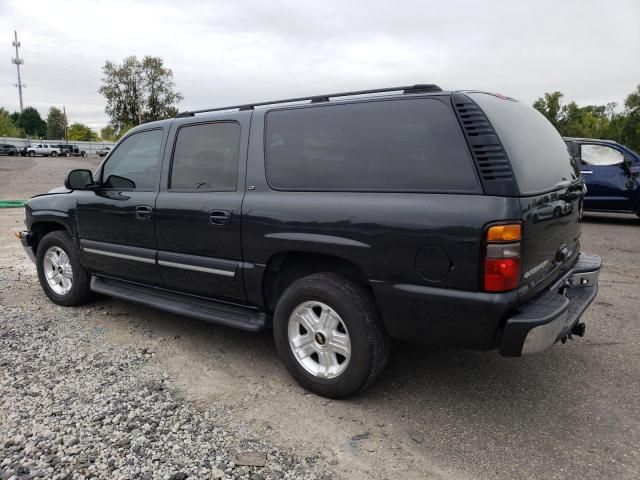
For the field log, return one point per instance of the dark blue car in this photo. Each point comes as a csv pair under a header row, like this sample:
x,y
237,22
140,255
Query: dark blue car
x,y
611,172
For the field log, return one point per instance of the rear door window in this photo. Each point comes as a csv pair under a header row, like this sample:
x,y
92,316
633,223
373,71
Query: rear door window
x,y
401,145
206,157
539,157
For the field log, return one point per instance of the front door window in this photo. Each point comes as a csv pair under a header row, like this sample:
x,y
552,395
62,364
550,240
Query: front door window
x,y
601,155
135,164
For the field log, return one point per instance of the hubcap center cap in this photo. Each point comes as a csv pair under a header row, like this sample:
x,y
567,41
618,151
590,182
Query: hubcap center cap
x,y
320,338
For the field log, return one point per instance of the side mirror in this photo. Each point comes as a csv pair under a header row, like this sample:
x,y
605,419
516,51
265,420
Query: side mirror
x,y
633,168
79,180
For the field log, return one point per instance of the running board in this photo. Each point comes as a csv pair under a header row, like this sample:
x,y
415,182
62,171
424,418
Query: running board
x,y
181,304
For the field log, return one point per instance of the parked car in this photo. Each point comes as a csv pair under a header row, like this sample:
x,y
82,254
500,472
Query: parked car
x,y
44,149
103,152
63,149
76,151
611,172
70,150
8,149
362,217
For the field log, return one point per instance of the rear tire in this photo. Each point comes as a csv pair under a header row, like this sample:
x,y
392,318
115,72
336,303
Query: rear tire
x,y
62,277
32,153
54,154
346,327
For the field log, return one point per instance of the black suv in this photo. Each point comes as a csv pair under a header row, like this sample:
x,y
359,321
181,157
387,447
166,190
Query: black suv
x,y
69,150
338,220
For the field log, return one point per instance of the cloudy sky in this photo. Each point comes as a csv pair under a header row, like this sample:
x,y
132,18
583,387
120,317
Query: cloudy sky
x,y
238,51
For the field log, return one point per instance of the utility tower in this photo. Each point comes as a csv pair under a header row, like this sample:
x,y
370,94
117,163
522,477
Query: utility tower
x,y
18,61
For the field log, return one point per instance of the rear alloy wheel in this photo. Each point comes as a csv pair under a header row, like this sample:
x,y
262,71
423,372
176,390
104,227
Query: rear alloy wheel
x,y
54,154
329,335
319,339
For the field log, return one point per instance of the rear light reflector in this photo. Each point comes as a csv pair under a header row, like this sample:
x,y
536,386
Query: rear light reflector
x,y
502,261
501,274
503,250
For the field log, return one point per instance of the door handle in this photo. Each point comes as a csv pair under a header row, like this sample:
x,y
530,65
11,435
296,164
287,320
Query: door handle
x,y
586,172
220,217
143,212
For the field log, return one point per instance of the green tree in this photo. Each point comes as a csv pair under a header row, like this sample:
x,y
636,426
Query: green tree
x,y
31,123
594,121
108,133
125,128
550,106
56,123
81,132
138,91
630,129
7,126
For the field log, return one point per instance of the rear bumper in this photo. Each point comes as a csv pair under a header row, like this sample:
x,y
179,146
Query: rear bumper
x,y
26,239
551,315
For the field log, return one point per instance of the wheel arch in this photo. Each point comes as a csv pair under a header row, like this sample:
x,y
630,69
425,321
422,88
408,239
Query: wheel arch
x,y
40,227
283,268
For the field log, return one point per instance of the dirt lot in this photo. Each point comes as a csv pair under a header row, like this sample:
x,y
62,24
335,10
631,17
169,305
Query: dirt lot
x,y
570,412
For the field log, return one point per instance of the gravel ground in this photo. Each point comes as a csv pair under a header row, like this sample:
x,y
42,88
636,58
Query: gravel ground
x,y
75,406
191,395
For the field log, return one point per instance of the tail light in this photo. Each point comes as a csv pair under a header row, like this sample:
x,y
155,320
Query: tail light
x,y
502,261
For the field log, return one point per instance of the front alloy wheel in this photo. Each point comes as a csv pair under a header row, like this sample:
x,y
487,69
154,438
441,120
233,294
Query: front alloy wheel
x,y
58,270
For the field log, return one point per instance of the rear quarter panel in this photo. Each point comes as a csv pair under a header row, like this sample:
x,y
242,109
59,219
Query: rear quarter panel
x,y
381,233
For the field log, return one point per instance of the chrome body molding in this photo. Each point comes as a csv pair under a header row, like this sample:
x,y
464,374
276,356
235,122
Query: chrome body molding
x,y
196,268
123,256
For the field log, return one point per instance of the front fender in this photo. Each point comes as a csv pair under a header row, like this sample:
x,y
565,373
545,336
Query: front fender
x,y
53,208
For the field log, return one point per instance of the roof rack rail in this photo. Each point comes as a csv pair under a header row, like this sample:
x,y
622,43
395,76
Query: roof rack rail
x,y
412,89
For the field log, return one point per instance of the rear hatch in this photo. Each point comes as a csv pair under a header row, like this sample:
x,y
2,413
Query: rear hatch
x,y
550,189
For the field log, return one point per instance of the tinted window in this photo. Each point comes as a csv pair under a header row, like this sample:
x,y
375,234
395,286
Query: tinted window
x,y
600,155
206,157
539,156
402,145
135,163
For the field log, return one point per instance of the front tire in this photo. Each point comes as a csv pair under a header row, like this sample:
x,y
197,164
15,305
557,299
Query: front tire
x,y
329,335
62,276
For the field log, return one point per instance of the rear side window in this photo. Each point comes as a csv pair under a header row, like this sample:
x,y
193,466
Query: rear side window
x,y
206,157
402,145
539,156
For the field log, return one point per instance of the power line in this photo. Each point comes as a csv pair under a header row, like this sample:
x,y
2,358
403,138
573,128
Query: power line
x,y
18,61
